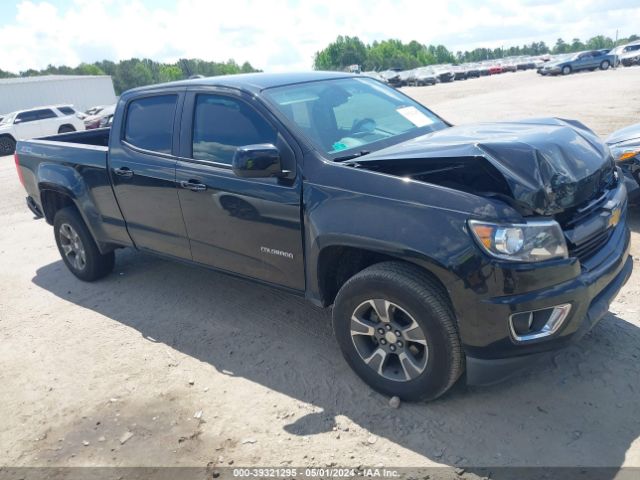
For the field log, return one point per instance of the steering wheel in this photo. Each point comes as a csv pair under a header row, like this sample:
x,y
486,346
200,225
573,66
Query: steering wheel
x,y
363,127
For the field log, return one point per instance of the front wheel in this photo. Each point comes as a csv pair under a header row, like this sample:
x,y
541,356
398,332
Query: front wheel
x,y
566,70
396,329
605,65
77,247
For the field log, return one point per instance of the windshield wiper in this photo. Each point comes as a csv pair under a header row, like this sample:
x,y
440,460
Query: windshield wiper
x,y
351,156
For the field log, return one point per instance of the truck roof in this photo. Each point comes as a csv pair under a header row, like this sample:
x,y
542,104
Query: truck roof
x,y
251,82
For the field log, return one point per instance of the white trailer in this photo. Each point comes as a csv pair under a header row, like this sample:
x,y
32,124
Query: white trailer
x,y
81,91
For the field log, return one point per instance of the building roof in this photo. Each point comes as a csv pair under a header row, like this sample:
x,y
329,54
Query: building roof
x,y
253,82
47,78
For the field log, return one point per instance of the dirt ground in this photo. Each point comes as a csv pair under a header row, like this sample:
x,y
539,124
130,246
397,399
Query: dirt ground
x,y
145,352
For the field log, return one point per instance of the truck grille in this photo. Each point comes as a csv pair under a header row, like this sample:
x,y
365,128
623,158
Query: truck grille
x,y
590,246
572,219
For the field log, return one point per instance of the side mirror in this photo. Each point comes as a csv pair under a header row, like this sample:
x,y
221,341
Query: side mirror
x,y
257,161
17,120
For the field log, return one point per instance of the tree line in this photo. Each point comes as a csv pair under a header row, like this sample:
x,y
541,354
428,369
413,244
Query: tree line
x,y
381,55
137,72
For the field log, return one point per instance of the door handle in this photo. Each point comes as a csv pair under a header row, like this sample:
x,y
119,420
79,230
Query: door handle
x,y
193,185
125,172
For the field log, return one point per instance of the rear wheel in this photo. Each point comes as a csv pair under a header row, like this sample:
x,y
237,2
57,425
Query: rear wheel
x,y
605,65
66,129
7,145
397,331
566,70
77,247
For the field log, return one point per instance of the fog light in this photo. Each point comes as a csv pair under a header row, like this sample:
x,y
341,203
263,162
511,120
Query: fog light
x,y
537,324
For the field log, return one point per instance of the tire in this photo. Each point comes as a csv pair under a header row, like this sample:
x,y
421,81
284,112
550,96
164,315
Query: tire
x,y
566,70
66,129
7,145
415,303
77,247
605,65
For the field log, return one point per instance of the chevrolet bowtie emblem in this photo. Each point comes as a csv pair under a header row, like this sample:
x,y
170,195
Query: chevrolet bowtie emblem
x,y
614,219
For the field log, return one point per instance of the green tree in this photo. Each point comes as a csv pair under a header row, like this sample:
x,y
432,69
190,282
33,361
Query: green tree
x,y
169,73
577,45
86,69
136,72
340,54
598,42
560,46
4,74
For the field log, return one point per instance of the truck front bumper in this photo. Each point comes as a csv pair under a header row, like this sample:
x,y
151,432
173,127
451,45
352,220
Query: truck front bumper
x,y
487,371
486,331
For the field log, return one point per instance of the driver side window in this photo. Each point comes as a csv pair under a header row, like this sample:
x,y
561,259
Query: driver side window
x,y
221,124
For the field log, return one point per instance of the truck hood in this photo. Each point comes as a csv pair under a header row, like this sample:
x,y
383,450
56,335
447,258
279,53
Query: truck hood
x,y
539,166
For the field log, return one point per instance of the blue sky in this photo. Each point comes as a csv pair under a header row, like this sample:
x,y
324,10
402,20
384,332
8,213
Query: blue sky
x,y
281,35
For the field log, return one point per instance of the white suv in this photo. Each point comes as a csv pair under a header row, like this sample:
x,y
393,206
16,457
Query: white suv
x,y
37,122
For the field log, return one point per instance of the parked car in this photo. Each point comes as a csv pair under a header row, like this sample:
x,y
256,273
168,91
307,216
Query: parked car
x,y
95,110
107,121
484,69
459,72
441,248
631,56
589,60
495,68
370,74
406,77
628,52
539,62
625,148
472,69
392,77
37,122
444,73
93,121
508,65
525,63
425,76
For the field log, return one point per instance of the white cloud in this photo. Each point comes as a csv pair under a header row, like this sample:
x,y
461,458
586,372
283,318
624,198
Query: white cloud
x,y
283,35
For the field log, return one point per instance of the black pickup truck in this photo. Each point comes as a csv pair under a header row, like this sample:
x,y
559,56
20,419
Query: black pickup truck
x,y
442,249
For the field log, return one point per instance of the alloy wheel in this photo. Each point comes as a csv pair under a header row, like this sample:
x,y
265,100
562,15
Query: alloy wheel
x,y
389,340
72,246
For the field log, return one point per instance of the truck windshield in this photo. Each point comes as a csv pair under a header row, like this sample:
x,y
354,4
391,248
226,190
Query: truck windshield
x,y
352,114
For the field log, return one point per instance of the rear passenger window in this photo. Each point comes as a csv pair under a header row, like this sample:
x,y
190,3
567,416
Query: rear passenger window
x,y
149,123
221,124
66,110
46,113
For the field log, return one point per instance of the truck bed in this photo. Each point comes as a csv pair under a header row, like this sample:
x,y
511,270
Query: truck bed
x,y
77,149
98,137
74,164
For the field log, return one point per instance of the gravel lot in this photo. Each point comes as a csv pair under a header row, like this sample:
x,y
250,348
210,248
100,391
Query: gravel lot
x,y
150,347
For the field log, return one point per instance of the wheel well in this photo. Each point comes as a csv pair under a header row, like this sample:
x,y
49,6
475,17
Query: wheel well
x,y
8,135
52,201
338,264
66,125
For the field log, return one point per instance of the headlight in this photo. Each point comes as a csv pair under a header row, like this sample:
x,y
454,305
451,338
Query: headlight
x,y
533,241
625,154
